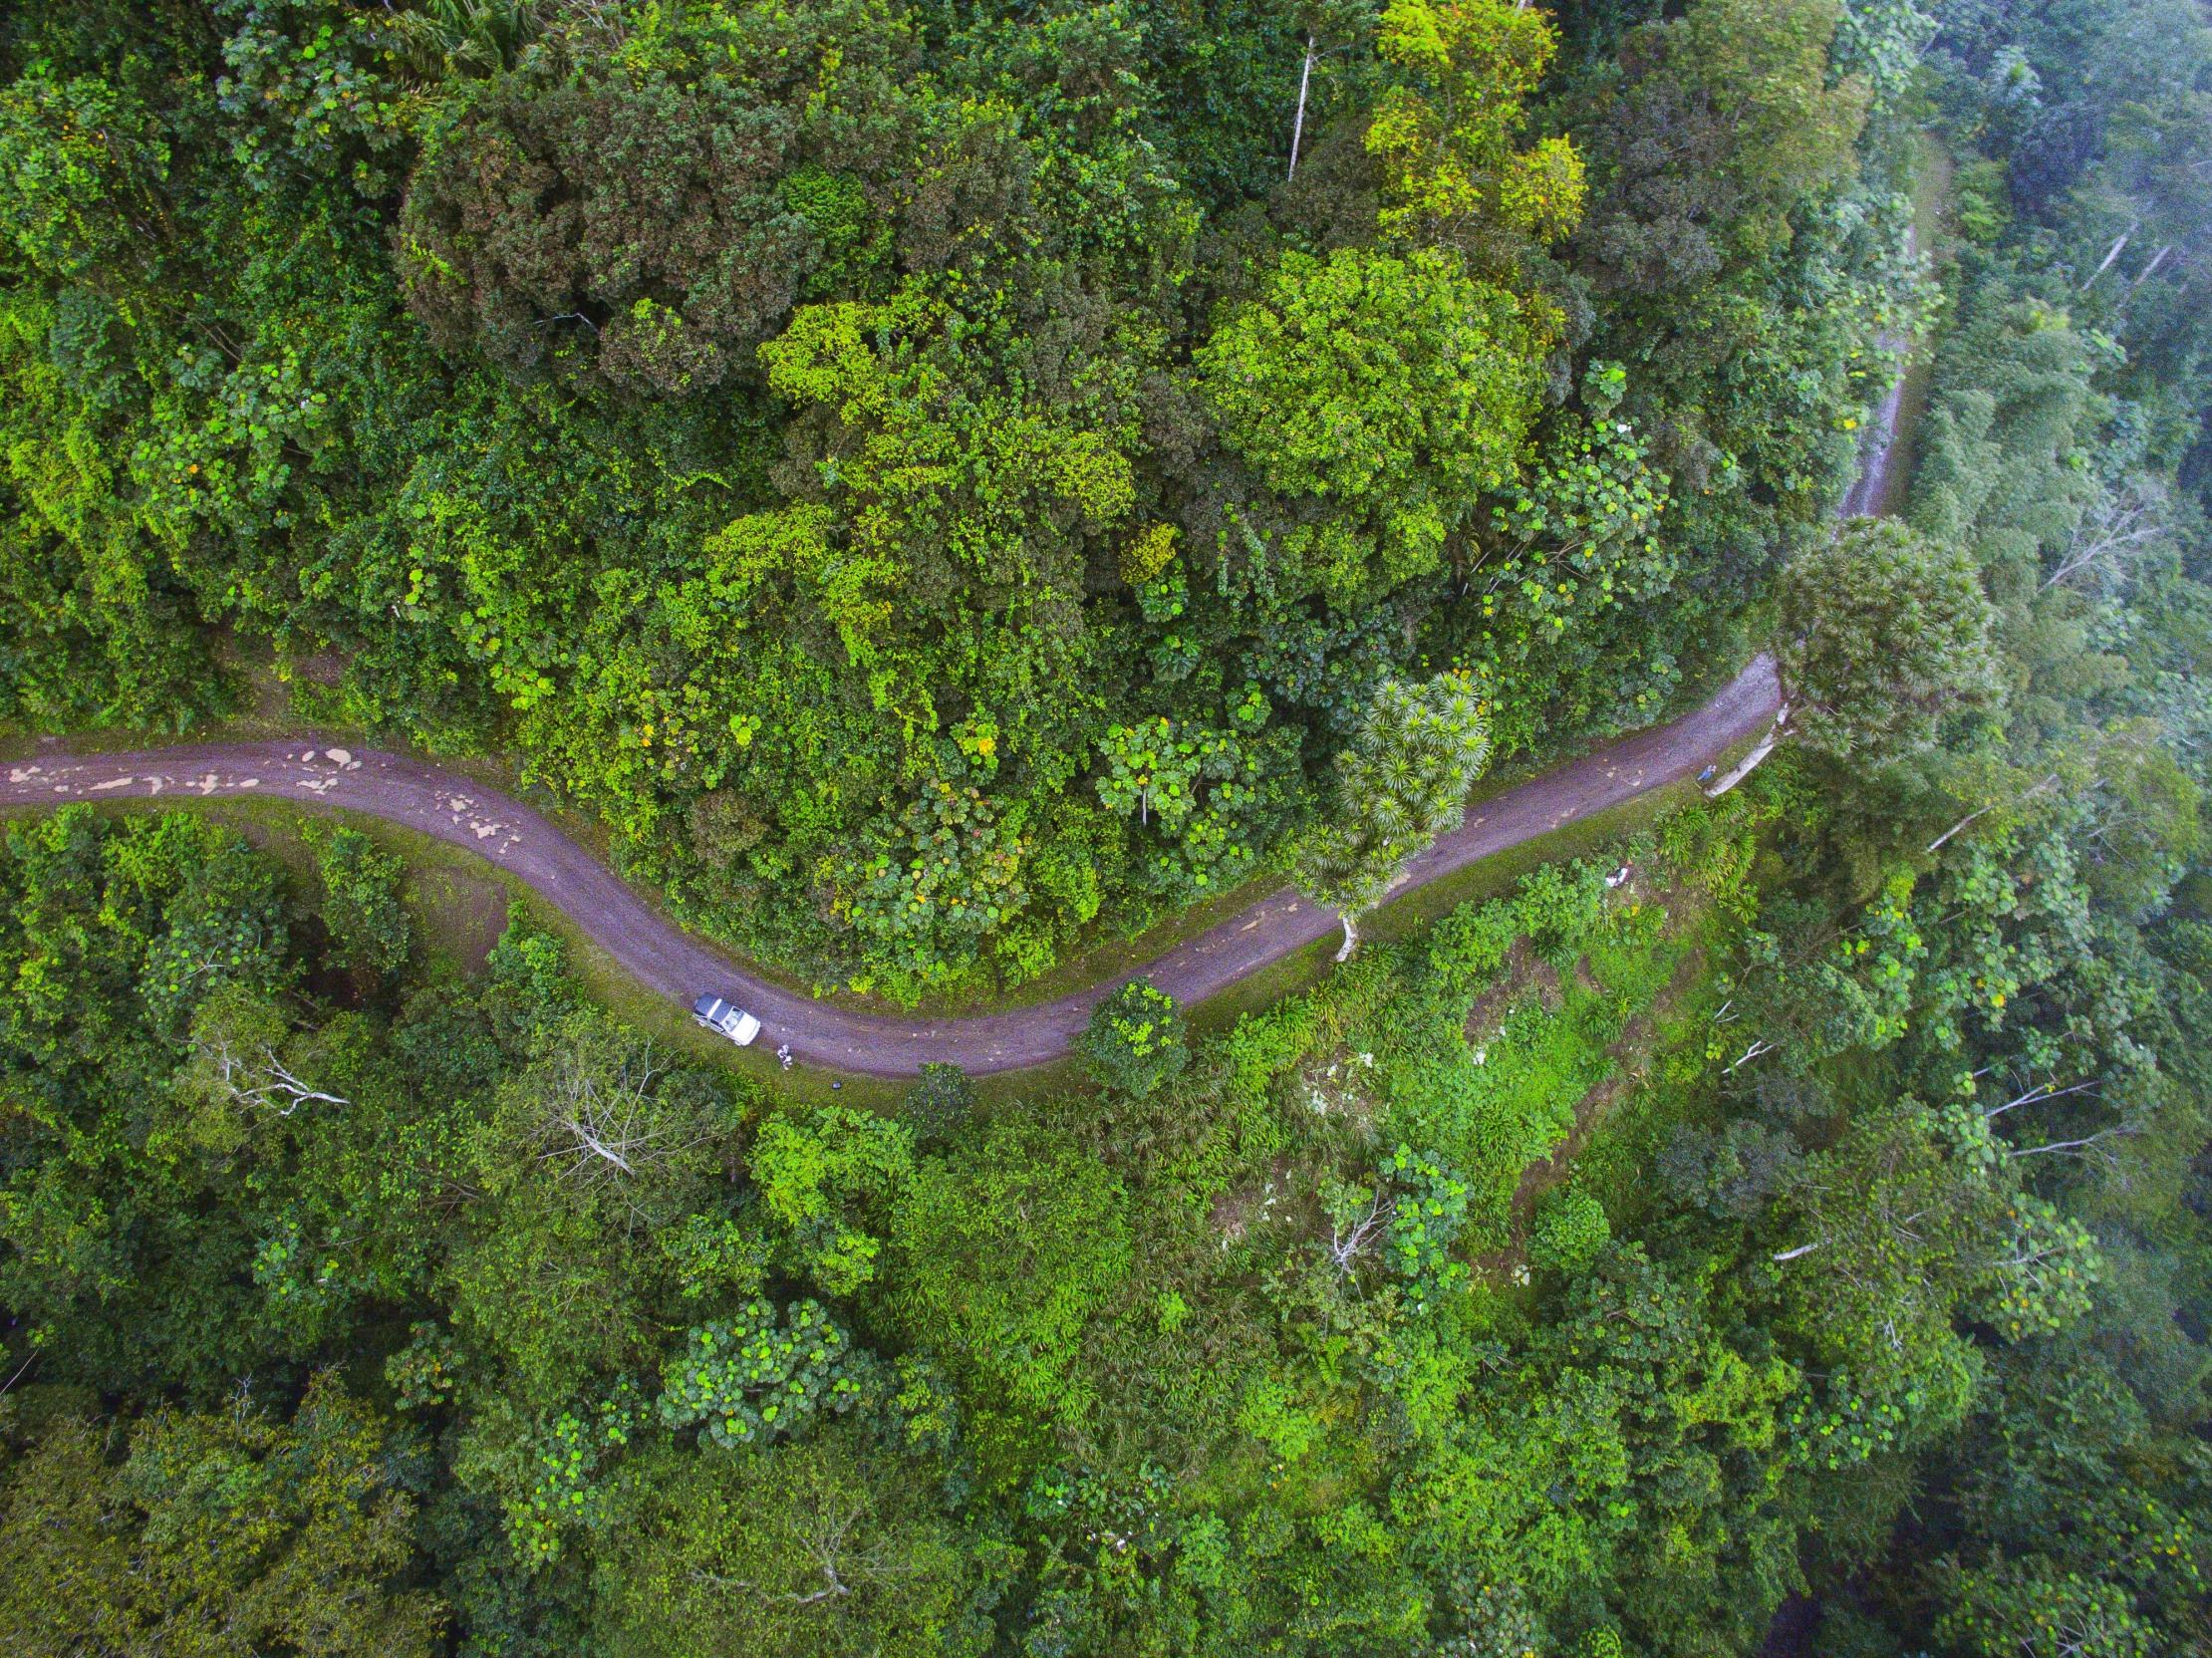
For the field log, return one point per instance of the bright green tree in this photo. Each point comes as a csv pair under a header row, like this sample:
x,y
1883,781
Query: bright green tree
x,y
81,166
1445,133
819,1170
1385,393
1134,1040
2035,1609
1005,1252
828,1548
763,1375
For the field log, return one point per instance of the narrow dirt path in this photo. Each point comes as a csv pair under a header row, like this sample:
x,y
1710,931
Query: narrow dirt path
x,y
450,808
1876,488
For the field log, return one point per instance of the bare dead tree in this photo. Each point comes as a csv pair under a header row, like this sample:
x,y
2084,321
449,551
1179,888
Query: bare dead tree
x,y
1750,762
2041,1092
1762,1046
828,1542
2150,269
254,1076
600,1124
1348,1242
2123,523
2089,1145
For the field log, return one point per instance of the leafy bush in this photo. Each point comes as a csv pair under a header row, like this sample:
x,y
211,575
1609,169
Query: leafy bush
x,y
360,900
1005,1252
1135,1039
1430,1208
761,1376
1568,1231
937,1106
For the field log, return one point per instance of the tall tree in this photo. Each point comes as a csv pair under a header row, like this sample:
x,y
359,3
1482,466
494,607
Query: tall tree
x,y
223,1533
1881,633
1445,133
643,195
1381,395
1400,782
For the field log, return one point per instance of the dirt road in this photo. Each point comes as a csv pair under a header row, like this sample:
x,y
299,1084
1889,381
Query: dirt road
x,y
1874,490
442,804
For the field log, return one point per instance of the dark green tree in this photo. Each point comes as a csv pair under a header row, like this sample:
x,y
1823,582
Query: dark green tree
x,y
1134,1040
1880,635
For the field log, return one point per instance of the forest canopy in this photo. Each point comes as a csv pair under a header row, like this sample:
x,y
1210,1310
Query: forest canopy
x,y
934,488
804,437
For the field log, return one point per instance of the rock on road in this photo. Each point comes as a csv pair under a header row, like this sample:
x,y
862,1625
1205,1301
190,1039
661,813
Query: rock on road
x,y
656,953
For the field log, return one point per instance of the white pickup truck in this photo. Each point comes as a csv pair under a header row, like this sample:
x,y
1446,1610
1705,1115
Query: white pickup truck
x,y
728,1017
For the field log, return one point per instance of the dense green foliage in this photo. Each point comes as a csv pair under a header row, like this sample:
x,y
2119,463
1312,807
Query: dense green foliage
x,y
1401,781
937,486
921,473
1135,1039
1880,638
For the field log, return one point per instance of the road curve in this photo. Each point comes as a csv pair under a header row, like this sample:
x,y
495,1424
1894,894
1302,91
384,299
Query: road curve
x,y
450,808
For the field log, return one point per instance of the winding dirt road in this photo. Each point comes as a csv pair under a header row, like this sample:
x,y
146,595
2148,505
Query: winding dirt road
x,y
450,808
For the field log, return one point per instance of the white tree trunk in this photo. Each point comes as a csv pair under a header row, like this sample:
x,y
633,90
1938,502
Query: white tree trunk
x,y
2125,237
2156,259
1937,844
1297,129
1750,762
1351,936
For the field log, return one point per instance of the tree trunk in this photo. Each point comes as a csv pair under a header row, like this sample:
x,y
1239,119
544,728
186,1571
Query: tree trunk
x,y
1351,936
1750,762
2149,270
1936,845
2125,237
1297,128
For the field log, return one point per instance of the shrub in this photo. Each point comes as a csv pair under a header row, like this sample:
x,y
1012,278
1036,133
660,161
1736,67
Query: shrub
x,y
1570,1230
761,1376
1134,1040
1432,1208
361,901
937,1106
